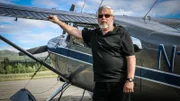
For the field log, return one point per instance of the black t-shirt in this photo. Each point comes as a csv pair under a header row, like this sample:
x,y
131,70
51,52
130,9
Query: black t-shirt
x,y
109,53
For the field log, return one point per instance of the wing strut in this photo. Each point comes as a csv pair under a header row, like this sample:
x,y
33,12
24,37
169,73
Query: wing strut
x,y
33,57
150,9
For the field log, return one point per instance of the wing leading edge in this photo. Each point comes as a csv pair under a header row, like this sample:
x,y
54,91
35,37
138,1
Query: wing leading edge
x,y
42,14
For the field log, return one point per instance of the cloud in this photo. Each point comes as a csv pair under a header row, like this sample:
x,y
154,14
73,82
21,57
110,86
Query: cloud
x,y
88,8
134,7
165,8
95,2
29,40
9,48
58,4
28,33
79,4
8,1
37,38
128,7
122,12
8,25
141,7
46,3
5,46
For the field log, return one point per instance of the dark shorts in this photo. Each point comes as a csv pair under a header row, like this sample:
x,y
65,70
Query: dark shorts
x,y
110,91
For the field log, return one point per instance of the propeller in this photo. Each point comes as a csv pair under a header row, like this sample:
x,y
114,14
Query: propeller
x,y
35,50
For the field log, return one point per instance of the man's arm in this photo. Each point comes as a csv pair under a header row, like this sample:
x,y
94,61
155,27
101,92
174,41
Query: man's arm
x,y
69,29
131,63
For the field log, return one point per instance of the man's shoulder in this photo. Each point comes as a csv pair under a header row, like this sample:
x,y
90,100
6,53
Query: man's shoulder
x,y
120,29
91,30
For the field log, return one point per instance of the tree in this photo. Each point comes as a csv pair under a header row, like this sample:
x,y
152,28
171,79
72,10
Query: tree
x,y
9,69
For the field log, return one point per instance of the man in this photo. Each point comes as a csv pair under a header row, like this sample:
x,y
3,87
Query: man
x,y
113,56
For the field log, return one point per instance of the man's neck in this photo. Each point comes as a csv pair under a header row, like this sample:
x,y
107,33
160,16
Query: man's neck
x,y
104,31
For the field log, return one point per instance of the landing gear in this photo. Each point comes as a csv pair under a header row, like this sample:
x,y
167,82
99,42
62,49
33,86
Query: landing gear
x,y
60,89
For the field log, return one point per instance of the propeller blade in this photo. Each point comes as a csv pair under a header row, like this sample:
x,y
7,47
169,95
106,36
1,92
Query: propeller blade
x,y
35,50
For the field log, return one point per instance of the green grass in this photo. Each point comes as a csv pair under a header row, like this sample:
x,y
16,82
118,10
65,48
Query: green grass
x,y
23,76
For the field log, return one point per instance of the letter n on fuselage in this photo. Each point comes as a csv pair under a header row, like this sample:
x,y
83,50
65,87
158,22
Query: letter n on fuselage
x,y
162,51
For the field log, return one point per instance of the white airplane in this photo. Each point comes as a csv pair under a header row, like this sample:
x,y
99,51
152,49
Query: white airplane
x,y
156,42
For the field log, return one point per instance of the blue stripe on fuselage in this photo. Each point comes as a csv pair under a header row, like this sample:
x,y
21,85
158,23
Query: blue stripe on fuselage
x,y
158,75
153,74
73,54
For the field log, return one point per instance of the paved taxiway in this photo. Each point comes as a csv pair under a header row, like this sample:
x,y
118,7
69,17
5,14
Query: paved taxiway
x,y
41,89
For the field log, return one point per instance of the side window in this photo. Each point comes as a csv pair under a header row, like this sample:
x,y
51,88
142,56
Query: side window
x,y
78,42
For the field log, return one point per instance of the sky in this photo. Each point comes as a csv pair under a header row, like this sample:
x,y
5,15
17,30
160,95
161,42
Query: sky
x,y
28,33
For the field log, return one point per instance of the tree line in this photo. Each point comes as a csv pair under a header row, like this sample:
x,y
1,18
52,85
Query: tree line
x,y
8,67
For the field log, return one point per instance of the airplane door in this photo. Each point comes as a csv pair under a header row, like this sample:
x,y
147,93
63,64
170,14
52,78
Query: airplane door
x,y
59,54
80,64
138,83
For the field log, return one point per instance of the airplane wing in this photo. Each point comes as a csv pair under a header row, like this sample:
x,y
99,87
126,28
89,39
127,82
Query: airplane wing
x,y
42,14
174,23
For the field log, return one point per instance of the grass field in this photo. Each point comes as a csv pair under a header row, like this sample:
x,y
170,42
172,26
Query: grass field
x,y
22,76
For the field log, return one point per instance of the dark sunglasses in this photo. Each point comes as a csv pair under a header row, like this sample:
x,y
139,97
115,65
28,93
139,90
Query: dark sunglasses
x,y
106,15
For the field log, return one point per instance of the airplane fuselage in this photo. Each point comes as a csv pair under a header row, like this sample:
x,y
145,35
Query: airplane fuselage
x,y
157,68
157,74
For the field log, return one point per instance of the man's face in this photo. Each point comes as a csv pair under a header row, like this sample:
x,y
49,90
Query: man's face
x,y
105,18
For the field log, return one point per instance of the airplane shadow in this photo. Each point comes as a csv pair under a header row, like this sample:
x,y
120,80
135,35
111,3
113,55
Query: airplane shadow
x,y
70,98
73,99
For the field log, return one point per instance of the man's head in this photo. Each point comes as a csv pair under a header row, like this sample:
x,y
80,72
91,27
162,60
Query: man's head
x,y
105,17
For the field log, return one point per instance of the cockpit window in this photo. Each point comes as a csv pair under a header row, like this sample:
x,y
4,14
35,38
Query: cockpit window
x,y
80,42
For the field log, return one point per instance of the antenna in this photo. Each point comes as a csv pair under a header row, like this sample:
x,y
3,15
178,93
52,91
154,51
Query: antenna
x,y
83,6
72,7
150,10
101,3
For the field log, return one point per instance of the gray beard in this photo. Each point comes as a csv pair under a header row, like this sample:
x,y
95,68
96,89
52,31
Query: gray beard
x,y
103,26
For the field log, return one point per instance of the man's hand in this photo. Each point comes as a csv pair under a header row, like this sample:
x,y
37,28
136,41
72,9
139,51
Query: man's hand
x,y
53,18
128,87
